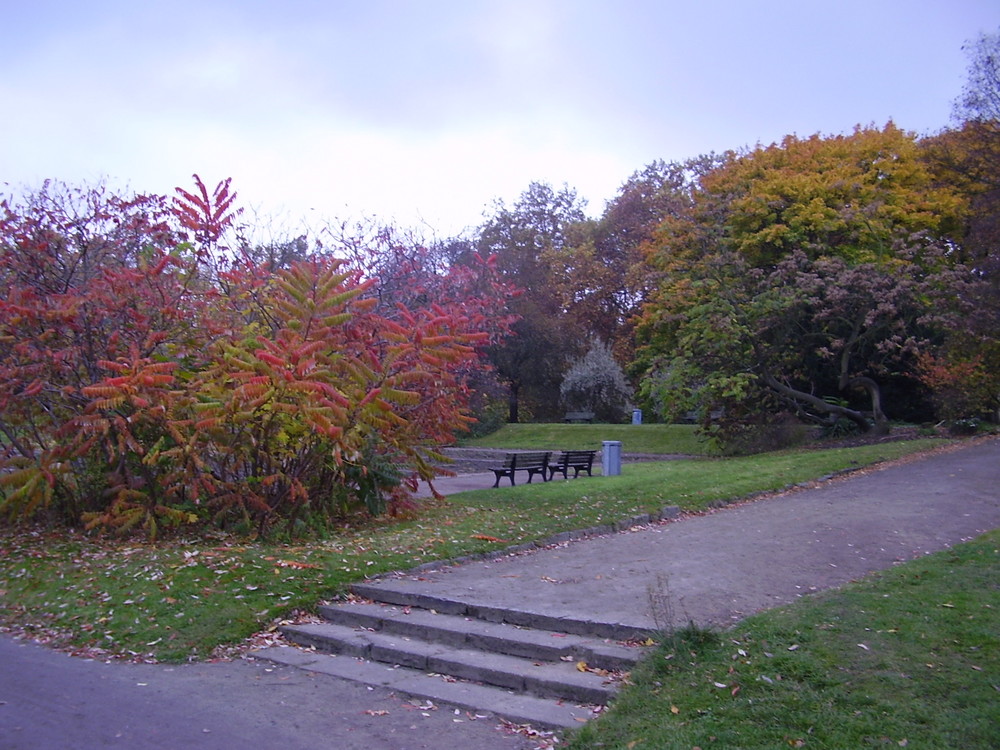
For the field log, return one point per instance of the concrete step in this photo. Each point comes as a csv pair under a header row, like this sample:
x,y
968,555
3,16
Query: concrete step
x,y
560,679
479,699
409,593
461,631
524,667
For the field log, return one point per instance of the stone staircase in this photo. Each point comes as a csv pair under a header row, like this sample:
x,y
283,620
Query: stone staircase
x,y
481,659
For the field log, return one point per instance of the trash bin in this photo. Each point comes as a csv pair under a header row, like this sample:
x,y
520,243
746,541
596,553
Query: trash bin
x,y
637,416
611,458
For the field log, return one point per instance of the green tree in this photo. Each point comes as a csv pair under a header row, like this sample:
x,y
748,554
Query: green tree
x,y
523,238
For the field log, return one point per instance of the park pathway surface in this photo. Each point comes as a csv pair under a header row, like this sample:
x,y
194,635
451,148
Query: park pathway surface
x,y
719,567
715,568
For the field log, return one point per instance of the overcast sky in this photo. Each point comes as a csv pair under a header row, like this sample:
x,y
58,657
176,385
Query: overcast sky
x,y
425,111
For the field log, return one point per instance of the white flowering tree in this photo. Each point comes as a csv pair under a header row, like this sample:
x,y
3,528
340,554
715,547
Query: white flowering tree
x,y
596,383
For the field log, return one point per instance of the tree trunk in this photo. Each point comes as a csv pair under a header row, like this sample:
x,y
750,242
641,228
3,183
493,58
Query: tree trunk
x,y
801,397
875,394
513,403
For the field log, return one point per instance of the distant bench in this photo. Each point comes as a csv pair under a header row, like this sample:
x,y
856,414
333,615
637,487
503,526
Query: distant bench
x,y
533,463
579,416
576,460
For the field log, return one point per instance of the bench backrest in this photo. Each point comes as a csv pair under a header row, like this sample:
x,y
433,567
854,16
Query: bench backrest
x,y
576,456
531,460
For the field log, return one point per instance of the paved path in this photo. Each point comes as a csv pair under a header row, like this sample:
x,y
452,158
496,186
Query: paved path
x,y
51,701
717,568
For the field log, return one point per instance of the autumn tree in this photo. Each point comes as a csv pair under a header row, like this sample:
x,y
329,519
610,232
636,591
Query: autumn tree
x,y
962,369
598,273
790,282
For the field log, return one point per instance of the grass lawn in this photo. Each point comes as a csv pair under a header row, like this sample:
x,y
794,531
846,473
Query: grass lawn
x,y
181,599
909,657
643,438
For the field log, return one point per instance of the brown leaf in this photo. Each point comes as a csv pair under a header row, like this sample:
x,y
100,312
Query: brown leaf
x,y
298,565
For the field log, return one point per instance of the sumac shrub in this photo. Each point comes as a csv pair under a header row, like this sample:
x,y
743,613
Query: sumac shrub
x,y
151,377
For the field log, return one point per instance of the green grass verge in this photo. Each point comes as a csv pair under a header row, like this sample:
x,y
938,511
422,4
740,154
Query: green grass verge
x,y
181,599
643,438
908,657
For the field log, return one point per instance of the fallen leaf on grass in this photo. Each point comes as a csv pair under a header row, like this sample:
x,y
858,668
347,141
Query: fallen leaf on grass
x,y
298,565
486,538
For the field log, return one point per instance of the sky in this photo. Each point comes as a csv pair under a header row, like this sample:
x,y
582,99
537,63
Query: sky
x,y
424,113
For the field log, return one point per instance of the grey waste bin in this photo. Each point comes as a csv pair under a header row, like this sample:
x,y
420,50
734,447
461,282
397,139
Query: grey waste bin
x,y
637,416
611,458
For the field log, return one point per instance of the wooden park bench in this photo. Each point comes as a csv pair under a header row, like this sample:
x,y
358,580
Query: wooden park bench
x,y
579,416
533,463
576,460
